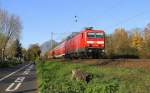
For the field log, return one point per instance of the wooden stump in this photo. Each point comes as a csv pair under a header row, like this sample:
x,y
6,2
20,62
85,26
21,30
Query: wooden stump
x,y
77,74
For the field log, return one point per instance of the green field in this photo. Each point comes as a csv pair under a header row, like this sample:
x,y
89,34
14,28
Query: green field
x,y
55,77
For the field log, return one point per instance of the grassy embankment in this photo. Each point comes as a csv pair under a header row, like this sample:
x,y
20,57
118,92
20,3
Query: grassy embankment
x,y
55,77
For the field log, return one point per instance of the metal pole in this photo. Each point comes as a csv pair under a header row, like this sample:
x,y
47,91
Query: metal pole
x,y
51,40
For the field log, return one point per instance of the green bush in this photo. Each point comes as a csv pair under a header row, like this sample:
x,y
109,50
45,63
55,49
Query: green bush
x,y
10,62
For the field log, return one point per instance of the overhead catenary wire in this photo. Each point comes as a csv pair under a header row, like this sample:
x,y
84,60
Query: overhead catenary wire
x,y
125,20
108,10
121,22
76,17
105,11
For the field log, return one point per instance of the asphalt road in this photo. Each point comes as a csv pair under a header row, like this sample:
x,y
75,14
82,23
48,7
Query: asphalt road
x,y
19,79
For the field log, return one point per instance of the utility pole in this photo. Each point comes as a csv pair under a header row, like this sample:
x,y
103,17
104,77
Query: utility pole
x,y
52,40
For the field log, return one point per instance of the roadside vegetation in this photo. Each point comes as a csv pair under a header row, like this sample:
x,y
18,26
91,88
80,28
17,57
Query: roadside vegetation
x,y
55,77
10,62
10,46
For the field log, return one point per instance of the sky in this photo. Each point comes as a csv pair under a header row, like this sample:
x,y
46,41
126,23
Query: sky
x,y
41,17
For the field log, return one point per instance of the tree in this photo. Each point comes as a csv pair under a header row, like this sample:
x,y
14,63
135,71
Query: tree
x,y
10,27
11,50
109,46
14,28
3,20
136,39
2,37
147,35
120,41
24,54
14,50
118,44
33,52
146,39
18,49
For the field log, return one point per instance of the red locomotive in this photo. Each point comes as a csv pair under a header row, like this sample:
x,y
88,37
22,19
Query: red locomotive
x,y
84,44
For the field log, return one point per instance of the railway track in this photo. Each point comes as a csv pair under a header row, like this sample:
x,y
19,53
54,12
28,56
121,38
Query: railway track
x,y
102,60
144,63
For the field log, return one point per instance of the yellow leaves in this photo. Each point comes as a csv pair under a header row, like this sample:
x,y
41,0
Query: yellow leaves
x,y
120,40
136,40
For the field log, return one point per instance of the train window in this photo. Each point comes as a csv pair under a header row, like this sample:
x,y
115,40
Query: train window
x,y
95,35
91,35
99,35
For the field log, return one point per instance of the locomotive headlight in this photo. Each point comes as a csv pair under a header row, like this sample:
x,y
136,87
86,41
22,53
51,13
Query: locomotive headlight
x,y
90,42
103,50
100,42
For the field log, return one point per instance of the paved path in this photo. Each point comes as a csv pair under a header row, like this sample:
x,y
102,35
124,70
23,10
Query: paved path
x,y
20,79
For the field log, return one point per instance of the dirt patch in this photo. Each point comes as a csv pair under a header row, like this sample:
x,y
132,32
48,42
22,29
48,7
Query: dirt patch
x,y
134,64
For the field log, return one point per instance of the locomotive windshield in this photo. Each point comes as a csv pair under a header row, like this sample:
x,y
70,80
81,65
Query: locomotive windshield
x,y
95,35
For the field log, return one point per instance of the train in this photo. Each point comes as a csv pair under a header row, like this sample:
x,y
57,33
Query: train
x,y
87,43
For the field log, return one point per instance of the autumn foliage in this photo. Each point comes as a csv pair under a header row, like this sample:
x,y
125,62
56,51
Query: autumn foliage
x,y
133,43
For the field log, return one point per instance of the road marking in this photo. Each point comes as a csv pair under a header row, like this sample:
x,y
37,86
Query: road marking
x,y
17,83
13,89
27,71
13,73
20,79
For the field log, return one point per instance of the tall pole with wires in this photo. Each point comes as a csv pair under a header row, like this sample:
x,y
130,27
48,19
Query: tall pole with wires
x,y
51,42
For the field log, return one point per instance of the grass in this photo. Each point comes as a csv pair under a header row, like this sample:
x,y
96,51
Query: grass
x,y
55,77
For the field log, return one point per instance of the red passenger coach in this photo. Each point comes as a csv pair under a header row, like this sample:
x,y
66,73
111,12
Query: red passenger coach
x,y
84,44
58,51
